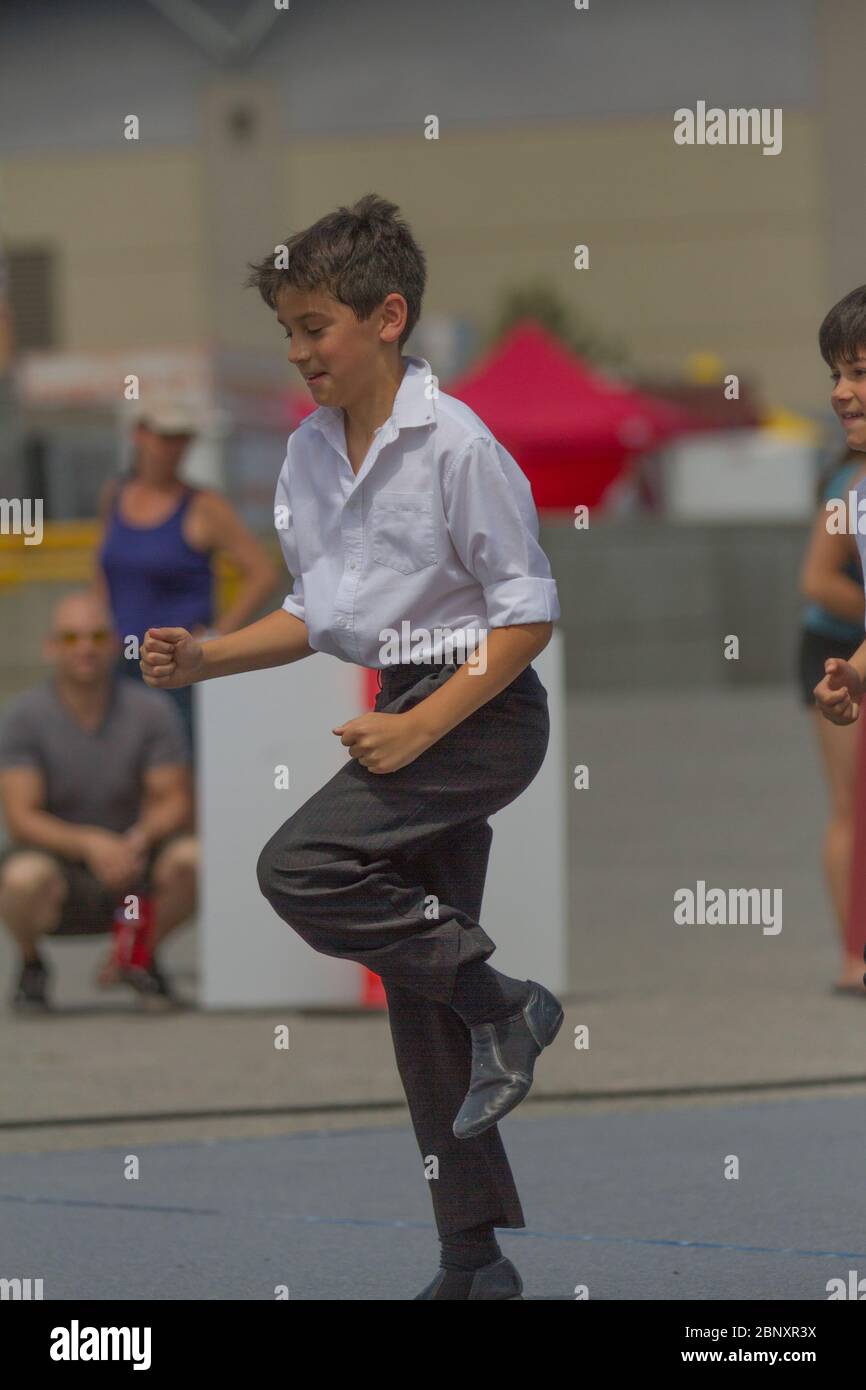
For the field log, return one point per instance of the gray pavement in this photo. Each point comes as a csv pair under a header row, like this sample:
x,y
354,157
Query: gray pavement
x,y
704,1041
629,1205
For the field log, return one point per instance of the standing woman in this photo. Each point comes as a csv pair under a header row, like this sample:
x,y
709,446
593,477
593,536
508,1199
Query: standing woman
x,y
831,580
159,536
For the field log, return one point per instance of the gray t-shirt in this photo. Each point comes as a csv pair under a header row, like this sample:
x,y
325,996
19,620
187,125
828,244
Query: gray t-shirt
x,y
93,778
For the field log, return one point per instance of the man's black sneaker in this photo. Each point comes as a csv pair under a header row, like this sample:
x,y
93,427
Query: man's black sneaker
x,y
31,992
150,984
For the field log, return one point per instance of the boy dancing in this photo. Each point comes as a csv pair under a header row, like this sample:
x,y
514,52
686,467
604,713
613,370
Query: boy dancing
x,y
398,512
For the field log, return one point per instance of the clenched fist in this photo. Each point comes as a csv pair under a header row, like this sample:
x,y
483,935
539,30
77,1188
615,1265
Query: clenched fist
x,y
839,693
170,657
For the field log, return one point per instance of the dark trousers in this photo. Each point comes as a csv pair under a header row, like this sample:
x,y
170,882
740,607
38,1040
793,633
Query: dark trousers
x,y
388,870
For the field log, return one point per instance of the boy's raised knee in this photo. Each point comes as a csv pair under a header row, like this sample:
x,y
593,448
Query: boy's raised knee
x,y
265,870
289,874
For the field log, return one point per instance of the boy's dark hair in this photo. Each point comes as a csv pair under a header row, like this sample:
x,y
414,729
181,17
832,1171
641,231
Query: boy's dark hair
x,y
359,254
842,335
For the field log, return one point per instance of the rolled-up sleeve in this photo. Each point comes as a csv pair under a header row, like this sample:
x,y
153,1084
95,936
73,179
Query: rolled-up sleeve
x,y
294,601
493,526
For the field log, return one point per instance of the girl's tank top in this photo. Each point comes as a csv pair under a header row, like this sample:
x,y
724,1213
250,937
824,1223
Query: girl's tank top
x,y
813,617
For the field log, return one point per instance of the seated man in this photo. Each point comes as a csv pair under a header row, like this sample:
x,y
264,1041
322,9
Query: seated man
x,y
96,791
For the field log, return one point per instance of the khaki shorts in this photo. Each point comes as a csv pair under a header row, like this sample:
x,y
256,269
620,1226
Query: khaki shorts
x,y
88,907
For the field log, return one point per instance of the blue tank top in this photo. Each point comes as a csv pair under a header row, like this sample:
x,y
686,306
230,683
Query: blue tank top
x,y
814,617
154,578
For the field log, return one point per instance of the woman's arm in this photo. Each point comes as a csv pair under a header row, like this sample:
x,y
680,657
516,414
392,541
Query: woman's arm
x,y
227,533
98,583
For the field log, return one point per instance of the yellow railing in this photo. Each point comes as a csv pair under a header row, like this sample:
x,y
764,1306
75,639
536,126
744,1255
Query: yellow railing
x,y
66,553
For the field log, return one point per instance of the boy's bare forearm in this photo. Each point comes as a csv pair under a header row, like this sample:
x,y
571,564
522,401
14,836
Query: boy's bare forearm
x,y
509,650
275,640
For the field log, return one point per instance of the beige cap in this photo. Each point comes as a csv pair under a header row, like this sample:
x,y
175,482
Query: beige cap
x,y
165,416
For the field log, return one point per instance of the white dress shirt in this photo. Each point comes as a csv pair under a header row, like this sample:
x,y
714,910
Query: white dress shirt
x,y
436,535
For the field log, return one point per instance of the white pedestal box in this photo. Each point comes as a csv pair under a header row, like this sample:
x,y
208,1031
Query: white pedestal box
x,y
247,727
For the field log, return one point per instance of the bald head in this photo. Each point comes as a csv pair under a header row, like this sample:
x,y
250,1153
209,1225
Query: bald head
x,y
82,644
83,607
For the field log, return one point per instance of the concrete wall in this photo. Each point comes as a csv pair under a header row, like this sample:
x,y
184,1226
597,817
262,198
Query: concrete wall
x,y
342,68
556,129
126,229
648,604
690,249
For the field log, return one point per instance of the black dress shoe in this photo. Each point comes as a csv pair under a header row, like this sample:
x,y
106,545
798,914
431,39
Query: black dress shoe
x,y
503,1058
499,1280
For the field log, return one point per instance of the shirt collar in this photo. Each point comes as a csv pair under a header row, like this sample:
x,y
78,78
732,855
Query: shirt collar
x,y
411,404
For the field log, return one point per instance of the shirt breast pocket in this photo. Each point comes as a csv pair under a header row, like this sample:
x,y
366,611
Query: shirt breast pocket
x,y
403,531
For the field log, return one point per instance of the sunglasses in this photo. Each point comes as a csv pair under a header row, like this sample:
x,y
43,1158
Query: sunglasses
x,y
68,639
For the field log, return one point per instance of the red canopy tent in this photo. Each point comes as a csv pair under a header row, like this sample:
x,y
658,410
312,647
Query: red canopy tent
x,y
572,430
